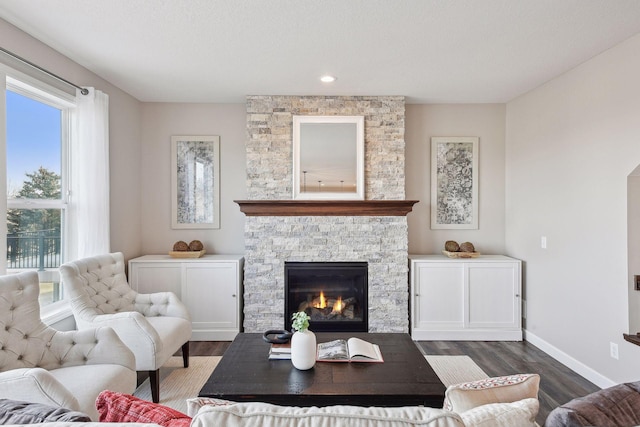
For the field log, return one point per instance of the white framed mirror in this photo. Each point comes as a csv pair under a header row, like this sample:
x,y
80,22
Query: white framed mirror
x,y
328,157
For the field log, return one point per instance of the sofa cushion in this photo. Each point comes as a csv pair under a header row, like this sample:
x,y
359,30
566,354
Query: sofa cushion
x,y
462,397
104,376
255,414
194,404
18,412
123,408
515,414
610,407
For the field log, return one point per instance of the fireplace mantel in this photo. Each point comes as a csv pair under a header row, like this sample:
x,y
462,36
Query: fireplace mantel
x,y
326,207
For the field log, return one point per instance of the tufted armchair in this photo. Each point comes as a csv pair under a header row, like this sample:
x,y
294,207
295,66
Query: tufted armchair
x,y
154,326
43,365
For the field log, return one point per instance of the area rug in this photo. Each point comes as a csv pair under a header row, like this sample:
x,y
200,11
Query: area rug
x,y
455,369
177,384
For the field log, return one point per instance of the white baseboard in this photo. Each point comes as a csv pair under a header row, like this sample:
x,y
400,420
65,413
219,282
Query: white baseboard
x,y
571,363
213,335
467,335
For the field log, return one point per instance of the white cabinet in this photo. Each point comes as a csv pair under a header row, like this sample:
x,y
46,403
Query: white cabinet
x,y
210,287
465,299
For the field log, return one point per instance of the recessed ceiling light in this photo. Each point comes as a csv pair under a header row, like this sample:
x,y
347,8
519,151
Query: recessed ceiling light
x,y
327,79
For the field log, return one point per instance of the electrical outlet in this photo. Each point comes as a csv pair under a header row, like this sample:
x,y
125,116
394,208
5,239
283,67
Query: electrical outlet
x,y
636,280
614,350
543,242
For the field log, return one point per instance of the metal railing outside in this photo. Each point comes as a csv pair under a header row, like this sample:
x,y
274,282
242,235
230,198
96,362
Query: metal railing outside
x,y
33,249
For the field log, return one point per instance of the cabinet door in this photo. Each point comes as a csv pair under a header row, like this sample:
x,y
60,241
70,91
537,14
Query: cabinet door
x,y
211,293
439,295
494,295
149,277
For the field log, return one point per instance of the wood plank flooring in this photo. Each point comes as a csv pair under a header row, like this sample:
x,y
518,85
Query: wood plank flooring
x,y
558,383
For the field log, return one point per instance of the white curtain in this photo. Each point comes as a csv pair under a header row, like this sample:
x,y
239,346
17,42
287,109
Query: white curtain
x,y
89,197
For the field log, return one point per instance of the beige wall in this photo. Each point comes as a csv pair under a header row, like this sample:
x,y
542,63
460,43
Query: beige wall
x,y
571,144
162,120
486,121
159,122
124,133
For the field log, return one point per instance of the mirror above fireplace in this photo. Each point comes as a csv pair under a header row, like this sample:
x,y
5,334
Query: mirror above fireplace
x,y
328,157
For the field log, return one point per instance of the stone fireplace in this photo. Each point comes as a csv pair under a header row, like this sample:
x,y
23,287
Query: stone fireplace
x,y
298,235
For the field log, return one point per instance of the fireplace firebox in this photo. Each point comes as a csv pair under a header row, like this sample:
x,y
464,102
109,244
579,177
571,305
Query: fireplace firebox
x,y
333,294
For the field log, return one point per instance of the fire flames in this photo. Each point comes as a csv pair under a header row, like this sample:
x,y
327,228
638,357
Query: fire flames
x,y
321,307
322,301
338,306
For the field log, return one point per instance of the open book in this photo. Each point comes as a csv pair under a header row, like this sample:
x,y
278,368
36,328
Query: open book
x,y
351,350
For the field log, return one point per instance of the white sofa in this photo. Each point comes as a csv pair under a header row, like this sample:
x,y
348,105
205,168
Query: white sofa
x,y
496,402
517,414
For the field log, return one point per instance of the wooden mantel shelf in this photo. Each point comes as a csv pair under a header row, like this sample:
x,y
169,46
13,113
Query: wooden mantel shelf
x,y
326,207
633,339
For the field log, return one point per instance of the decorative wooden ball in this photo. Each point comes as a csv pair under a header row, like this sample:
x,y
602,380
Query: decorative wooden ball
x,y
180,246
467,247
451,246
196,245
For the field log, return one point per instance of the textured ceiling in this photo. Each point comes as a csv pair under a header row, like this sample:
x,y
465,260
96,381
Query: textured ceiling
x,y
431,51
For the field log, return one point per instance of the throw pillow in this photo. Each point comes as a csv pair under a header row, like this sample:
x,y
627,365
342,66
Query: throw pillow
x,y
123,408
18,412
511,388
516,414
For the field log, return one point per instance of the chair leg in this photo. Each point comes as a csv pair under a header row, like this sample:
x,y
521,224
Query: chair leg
x,y
154,380
185,354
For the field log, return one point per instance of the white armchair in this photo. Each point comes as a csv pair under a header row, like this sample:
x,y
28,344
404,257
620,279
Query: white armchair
x,y
43,365
154,326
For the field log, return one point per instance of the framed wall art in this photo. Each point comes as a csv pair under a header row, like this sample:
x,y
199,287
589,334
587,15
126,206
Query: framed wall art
x,y
454,182
195,182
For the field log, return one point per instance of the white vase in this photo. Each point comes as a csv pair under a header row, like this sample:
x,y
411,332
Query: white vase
x,y
303,350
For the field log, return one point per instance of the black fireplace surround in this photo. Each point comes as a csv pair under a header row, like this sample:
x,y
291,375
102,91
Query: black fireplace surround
x,y
333,294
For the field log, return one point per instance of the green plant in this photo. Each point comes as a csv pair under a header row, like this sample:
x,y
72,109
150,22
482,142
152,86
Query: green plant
x,y
300,321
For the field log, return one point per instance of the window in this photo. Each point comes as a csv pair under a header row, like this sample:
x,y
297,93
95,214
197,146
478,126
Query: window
x,y
36,144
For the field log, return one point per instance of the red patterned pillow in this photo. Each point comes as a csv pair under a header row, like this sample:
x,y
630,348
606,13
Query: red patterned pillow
x,y
123,408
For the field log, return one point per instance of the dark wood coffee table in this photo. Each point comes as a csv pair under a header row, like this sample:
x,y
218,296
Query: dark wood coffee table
x,y
245,374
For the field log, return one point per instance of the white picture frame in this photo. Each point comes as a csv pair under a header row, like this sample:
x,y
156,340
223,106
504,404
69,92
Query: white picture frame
x,y
454,183
195,182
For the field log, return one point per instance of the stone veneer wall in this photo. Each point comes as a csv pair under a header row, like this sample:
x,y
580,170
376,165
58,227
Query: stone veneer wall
x,y
270,241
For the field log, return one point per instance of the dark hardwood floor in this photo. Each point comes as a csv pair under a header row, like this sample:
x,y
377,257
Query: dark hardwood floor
x,y
208,348
558,384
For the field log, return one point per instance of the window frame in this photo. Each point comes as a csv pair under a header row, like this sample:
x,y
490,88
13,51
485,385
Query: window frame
x,y
39,91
